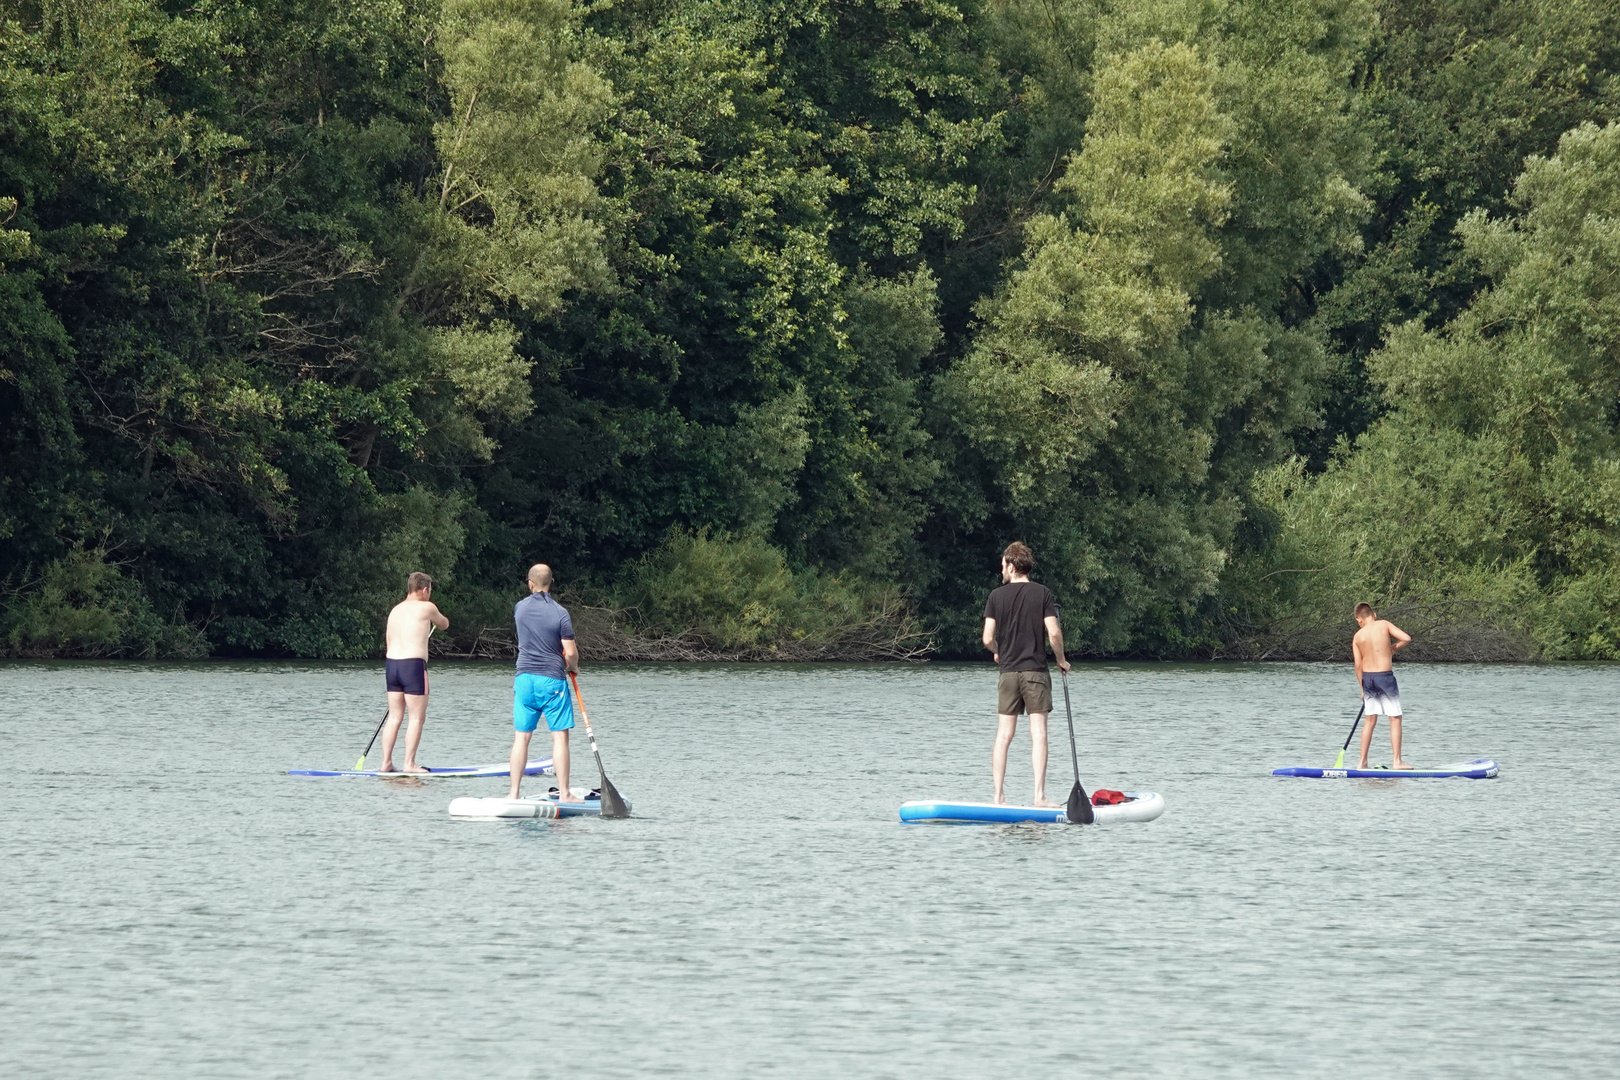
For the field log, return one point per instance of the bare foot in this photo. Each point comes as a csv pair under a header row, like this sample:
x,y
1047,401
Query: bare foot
x,y
1400,765
999,800
415,770
1363,765
1044,803
387,766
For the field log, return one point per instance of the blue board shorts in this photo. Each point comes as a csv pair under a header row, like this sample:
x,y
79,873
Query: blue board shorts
x,y
535,696
1379,693
406,676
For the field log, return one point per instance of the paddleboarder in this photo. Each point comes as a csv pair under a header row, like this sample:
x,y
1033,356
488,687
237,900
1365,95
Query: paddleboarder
x,y
1019,617
546,656
409,624
1373,649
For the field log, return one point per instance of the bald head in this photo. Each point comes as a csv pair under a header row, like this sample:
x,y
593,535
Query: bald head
x,y
539,577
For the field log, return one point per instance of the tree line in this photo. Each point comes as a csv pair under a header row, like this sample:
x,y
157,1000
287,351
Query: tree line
x,y
768,323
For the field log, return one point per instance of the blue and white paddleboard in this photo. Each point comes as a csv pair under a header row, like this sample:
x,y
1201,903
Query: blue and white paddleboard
x,y
1144,806
1478,769
535,806
537,767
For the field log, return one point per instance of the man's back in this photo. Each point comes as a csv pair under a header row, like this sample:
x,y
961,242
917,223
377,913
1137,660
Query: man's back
x,y
408,627
1372,645
1020,610
542,625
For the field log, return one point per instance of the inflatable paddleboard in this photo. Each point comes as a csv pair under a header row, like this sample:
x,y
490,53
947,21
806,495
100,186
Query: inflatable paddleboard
x,y
1144,806
537,767
1478,769
580,804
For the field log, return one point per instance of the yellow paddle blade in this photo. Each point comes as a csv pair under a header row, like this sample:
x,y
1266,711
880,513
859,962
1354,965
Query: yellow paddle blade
x,y
1338,762
362,763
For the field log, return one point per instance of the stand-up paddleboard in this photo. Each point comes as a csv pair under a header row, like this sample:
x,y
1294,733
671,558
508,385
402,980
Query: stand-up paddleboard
x,y
580,804
537,767
1143,806
1478,769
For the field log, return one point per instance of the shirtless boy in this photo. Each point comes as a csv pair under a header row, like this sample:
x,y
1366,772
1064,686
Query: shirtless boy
x,y
1373,649
409,625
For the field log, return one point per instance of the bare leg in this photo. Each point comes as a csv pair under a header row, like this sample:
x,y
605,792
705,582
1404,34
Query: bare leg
x,y
1037,757
416,705
1395,741
559,762
1366,739
1005,728
519,760
390,731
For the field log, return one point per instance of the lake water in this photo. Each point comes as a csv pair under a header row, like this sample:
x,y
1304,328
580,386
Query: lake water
x,y
172,905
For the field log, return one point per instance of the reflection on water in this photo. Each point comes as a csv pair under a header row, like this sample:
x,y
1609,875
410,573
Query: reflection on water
x,y
174,906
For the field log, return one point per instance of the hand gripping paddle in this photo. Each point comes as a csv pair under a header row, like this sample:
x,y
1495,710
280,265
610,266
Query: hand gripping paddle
x,y
1078,810
612,805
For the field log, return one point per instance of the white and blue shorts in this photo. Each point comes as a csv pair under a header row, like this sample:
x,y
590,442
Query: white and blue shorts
x,y
1379,694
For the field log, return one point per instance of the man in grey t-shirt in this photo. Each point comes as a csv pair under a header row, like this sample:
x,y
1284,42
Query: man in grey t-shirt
x,y
1018,619
546,654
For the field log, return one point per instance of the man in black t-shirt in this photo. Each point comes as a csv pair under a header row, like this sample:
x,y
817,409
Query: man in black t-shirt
x,y
1018,618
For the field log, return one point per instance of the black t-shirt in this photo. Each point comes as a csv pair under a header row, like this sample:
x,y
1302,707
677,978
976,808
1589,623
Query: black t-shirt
x,y
1020,610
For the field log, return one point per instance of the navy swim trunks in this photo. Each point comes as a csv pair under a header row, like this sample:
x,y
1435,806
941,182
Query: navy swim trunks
x,y
1380,694
407,677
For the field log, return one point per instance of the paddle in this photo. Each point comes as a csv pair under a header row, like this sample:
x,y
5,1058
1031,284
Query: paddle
x,y
612,805
1339,763
362,762
1078,811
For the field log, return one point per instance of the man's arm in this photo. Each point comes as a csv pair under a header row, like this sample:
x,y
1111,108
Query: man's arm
x,y
570,654
1055,633
1402,638
438,618
990,634
1355,654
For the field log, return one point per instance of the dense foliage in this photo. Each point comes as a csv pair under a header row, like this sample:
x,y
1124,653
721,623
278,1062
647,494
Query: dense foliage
x,y
769,322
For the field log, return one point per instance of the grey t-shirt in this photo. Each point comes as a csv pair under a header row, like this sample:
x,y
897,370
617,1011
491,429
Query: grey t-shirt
x,y
542,626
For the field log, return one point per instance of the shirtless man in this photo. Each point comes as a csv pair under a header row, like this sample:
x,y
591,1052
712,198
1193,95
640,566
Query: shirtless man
x,y
1019,618
1373,649
409,626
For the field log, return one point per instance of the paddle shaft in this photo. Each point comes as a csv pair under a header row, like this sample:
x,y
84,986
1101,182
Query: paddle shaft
x,y
1359,714
362,762
612,805
1078,809
1074,754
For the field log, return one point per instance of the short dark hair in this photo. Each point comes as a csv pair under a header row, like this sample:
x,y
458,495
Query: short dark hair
x,y
417,582
1364,608
1020,556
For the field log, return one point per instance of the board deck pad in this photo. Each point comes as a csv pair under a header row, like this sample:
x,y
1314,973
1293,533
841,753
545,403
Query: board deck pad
x,y
1144,806
1478,769
536,767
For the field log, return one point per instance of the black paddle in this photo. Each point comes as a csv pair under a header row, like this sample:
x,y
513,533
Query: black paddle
x,y
612,805
1079,810
1359,713
362,762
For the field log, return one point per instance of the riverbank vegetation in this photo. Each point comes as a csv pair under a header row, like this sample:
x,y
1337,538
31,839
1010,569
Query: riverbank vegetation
x,y
769,323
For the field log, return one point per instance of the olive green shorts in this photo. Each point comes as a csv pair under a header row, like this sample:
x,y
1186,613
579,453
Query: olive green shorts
x,y
1024,692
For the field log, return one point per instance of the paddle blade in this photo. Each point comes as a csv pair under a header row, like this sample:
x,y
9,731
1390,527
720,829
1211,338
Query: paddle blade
x,y
612,804
1338,762
1079,810
362,763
